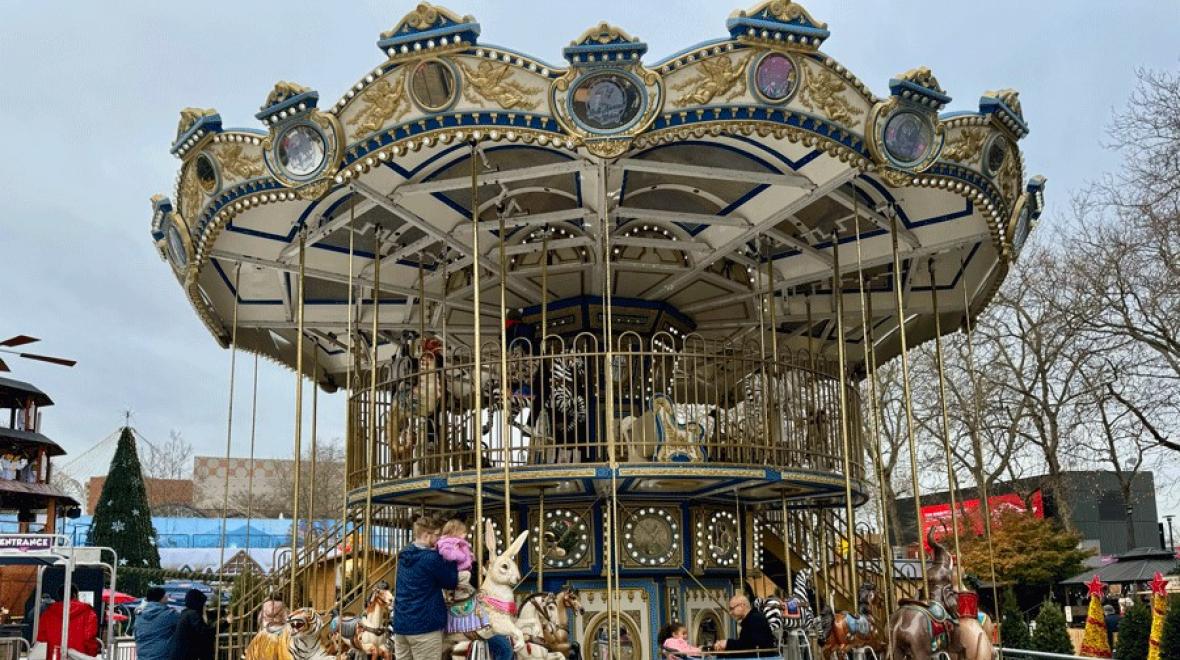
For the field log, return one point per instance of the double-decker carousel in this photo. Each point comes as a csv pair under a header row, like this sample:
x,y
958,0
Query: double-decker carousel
x,y
695,266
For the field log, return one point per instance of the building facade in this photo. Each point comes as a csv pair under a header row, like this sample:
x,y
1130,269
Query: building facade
x,y
1096,508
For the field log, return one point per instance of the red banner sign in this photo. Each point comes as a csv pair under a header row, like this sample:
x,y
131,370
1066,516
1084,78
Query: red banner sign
x,y
938,516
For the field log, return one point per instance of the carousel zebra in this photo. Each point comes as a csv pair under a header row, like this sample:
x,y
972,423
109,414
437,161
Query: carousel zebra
x,y
794,613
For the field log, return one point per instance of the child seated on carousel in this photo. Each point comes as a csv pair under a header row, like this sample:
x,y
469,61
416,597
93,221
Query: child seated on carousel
x,y
462,616
673,639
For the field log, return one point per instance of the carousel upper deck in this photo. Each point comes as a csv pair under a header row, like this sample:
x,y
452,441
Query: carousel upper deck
x,y
698,247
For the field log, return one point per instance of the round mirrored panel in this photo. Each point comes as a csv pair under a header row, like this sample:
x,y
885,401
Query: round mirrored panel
x,y
301,150
175,246
606,101
206,173
997,152
433,85
775,77
908,137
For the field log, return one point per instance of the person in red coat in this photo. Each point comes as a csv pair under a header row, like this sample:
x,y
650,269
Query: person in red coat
x,y
83,626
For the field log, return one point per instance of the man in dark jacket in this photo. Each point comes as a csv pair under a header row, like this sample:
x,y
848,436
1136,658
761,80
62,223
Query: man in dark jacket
x,y
755,632
419,611
194,638
155,624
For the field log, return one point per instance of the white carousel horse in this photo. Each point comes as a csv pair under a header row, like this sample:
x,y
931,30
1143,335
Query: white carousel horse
x,y
368,633
657,435
544,617
498,602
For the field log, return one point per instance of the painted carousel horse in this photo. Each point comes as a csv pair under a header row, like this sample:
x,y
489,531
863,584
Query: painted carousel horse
x,y
544,617
497,602
841,632
657,435
367,634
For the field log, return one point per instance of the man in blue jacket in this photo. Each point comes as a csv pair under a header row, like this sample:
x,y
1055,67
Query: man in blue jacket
x,y
419,611
154,626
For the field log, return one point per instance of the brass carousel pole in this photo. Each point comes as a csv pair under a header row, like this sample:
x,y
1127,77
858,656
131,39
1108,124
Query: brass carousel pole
x,y
539,542
608,331
315,395
505,386
350,421
866,318
298,419
821,553
544,335
977,450
477,371
845,431
229,432
946,425
774,356
367,550
909,404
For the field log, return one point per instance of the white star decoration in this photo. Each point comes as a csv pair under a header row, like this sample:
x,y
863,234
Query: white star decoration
x,y
135,512
123,561
118,526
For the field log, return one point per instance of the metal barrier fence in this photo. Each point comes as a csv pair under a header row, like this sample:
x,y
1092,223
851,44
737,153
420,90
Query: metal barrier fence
x,y
1022,654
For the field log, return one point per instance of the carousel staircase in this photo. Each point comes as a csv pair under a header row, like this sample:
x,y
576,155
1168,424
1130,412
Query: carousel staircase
x,y
808,541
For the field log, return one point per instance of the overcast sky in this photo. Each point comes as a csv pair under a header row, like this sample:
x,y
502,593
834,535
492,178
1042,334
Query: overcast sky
x,y
91,93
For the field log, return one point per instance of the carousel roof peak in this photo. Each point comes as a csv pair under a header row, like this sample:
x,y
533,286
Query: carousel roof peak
x,y
287,98
604,42
426,27
778,20
920,85
1004,105
194,124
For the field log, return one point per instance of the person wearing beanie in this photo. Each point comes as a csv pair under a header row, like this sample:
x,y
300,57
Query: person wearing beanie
x,y
195,638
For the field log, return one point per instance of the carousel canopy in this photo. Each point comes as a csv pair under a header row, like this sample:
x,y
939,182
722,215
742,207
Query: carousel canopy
x,y
697,186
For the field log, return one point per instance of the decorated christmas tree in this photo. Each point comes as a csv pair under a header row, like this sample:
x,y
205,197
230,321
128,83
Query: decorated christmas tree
x,y
1133,634
122,519
1050,635
1159,610
1094,641
1170,640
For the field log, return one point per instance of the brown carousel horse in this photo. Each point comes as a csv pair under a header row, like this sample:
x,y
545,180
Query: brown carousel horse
x,y
919,630
544,617
843,631
369,632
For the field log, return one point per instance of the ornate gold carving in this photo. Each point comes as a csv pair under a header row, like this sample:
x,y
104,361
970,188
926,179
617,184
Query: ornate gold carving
x,y
603,33
784,10
716,76
424,17
895,178
924,77
314,190
1009,176
492,82
382,101
237,163
608,148
822,92
1010,97
282,91
189,195
190,116
965,146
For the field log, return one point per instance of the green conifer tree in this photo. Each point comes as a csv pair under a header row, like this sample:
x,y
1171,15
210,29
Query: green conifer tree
x,y
1170,642
122,519
1013,628
1050,635
1134,631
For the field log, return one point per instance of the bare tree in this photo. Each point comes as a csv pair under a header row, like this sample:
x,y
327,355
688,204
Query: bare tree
x,y
169,460
321,498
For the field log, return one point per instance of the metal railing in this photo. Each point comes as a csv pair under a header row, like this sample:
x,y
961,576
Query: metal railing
x,y
1022,654
674,399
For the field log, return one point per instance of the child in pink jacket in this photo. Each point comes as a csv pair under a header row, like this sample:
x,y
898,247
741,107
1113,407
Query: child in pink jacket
x,y
453,546
673,640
